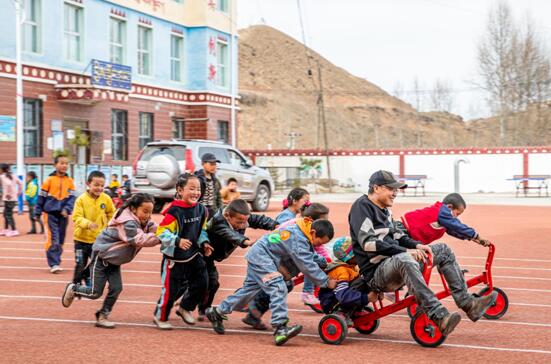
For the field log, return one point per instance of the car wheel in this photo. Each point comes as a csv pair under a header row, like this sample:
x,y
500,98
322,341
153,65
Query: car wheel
x,y
262,198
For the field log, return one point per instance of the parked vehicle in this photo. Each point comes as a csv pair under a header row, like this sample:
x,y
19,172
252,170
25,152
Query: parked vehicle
x,y
159,164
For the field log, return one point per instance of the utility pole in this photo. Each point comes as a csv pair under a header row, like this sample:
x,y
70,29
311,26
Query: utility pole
x,y
292,137
321,106
19,99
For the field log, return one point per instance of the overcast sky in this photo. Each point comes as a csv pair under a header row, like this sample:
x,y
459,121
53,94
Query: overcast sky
x,y
391,41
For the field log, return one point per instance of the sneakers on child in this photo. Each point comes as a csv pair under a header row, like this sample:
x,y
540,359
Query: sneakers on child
x,y
162,325
186,316
201,316
309,299
3,232
217,319
103,322
68,295
31,232
255,323
56,269
284,333
480,305
12,233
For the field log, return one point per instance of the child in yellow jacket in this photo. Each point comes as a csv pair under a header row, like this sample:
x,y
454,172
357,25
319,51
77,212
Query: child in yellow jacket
x,y
92,212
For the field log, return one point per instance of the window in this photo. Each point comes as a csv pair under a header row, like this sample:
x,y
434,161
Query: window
x,y
32,127
176,57
117,40
73,32
222,5
236,159
146,128
222,64
220,153
31,26
223,131
144,50
119,132
178,129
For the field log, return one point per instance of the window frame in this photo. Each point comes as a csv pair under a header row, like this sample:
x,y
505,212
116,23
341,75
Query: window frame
x,y
122,135
223,138
38,118
36,23
178,127
221,68
143,139
179,59
141,51
120,45
78,34
223,6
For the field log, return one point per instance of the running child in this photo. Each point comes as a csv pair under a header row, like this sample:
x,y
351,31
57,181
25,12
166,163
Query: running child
x,y
11,189
31,196
297,199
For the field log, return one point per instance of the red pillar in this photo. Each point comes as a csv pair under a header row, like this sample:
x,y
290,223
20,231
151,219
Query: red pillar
x,y
402,165
525,169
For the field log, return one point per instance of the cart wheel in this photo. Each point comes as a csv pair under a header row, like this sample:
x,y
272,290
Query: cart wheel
x,y
332,329
500,307
315,308
425,331
412,310
369,327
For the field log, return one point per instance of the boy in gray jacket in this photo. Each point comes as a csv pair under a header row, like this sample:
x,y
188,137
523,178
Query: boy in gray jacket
x,y
294,244
128,232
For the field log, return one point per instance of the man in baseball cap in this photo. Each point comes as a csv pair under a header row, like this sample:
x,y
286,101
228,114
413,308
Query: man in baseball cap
x,y
386,178
209,158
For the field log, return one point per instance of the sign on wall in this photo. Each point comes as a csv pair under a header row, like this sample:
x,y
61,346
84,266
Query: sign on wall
x,y
7,128
113,75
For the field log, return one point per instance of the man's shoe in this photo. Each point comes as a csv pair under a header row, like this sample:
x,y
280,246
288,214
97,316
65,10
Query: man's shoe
x,y
56,269
186,316
217,319
162,325
255,323
284,333
68,295
447,323
480,305
103,322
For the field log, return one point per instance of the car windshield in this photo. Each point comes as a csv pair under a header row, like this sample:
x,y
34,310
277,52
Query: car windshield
x,y
177,151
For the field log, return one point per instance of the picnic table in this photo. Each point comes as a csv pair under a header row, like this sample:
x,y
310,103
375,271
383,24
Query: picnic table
x,y
414,181
540,182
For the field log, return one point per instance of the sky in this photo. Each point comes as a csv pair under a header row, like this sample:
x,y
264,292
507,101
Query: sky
x,y
391,42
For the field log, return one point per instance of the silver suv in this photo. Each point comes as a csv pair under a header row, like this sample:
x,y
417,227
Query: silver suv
x,y
160,163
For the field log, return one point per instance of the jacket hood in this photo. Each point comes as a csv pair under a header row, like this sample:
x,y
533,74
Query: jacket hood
x,y
125,216
305,225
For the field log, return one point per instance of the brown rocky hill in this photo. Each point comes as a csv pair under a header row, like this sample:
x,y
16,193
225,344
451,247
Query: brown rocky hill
x,y
278,98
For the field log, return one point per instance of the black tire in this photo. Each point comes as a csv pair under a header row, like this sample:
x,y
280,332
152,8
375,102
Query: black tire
x,y
500,307
332,329
262,198
367,328
159,204
425,332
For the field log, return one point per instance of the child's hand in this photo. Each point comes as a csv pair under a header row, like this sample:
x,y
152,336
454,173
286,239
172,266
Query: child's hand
x,y
373,296
64,213
417,254
331,284
93,226
184,244
208,249
248,242
483,242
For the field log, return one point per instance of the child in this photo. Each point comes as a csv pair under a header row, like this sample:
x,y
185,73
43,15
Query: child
x,y
184,241
93,210
431,223
344,270
230,192
127,233
294,243
11,189
126,187
56,199
114,185
210,185
31,195
297,199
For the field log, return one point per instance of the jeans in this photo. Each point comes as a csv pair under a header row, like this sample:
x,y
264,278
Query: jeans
x,y
402,269
83,253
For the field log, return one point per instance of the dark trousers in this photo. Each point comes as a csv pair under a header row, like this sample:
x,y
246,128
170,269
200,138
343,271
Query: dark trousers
x,y
9,222
102,272
213,285
57,225
33,221
175,278
83,253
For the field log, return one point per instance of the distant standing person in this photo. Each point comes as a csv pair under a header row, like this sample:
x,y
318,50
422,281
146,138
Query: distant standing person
x,y
11,188
31,195
230,192
126,187
210,185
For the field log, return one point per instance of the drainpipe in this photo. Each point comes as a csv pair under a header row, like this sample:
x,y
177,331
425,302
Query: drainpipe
x,y
456,173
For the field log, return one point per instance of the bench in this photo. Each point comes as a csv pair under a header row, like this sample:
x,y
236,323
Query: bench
x,y
414,181
523,183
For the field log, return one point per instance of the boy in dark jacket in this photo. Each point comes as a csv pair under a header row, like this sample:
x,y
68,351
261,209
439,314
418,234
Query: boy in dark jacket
x,y
210,185
226,232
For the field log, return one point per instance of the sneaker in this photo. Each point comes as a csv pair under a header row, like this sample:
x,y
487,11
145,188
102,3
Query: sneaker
x,y
31,232
186,316
447,323
201,316
217,319
3,232
162,325
480,305
284,333
56,269
309,299
102,321
68,295
12,233
254,322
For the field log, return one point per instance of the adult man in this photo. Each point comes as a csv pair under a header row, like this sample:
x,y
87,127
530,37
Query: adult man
x,y
210,185
388,258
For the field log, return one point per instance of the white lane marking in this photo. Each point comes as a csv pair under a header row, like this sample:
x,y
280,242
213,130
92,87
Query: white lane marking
x,y
251,332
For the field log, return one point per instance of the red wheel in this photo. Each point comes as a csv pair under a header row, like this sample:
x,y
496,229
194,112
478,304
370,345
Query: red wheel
x,y
425,331
366,328
412,310
332,329
500,306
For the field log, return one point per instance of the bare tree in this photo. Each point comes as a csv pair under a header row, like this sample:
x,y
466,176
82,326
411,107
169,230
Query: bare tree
x,y
398,90
441,96
417,94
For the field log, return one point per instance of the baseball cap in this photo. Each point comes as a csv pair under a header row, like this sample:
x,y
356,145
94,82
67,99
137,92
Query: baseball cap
x,y
209,157
385,178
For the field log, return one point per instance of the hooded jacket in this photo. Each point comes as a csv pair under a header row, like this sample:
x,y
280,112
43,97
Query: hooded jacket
x,y
216,190
123,238
57,194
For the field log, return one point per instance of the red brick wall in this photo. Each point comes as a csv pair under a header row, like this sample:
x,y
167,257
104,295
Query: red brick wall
x,y
99,119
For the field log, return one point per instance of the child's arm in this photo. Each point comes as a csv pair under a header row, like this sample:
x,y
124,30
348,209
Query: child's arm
x,y
134,235
167,233
110,209
303,258
78,215
42,196
69,201
453,226
262,222
203,240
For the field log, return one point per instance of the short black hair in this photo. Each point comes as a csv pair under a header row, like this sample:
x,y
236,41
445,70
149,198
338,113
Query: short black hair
x,y
454,199
371,190
124,176
238,206
323,228
184,178
115,175
230,180
315,211
32,174
95,174
60,155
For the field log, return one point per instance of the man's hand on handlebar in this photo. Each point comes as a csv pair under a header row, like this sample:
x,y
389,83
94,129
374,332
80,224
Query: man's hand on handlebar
x,y
418,254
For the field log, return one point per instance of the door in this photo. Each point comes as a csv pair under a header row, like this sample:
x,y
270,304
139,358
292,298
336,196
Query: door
x,y
78,139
